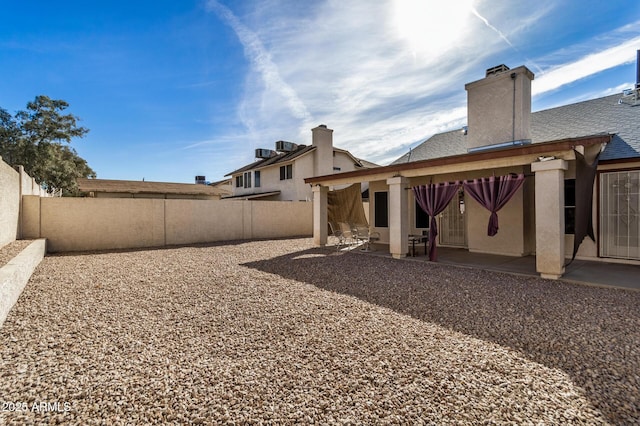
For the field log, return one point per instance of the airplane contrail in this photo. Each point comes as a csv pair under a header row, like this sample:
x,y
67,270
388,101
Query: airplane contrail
x,y
502,36
261,59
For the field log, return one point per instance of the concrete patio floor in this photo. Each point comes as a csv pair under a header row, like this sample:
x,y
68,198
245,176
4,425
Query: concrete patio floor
x,y
601,274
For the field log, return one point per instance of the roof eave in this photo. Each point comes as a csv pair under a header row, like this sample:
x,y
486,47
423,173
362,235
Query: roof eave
x,y
537,148
279,162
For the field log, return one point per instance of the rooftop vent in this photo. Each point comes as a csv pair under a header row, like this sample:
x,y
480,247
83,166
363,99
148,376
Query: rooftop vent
x,y
498,69
284,146
632,96
265,153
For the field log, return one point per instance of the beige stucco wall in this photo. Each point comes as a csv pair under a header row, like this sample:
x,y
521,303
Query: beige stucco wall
x,y
303,168
72,224
323,158
280,219
365,205
9,203
77,224
30,216
192,221
510,237
155,196
28,185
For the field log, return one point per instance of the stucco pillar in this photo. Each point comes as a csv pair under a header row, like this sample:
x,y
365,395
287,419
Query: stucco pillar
x,y
549,190
398,216
320,215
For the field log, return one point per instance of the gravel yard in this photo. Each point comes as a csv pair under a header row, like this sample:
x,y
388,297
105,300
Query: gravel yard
x,y
280,332
11,250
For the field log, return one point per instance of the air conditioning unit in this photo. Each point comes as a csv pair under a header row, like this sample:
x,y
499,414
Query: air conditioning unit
x,y
284,146
265,153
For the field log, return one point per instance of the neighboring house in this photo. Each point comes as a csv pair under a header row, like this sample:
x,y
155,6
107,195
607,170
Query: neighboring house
x,y
224,185
504,137
106,188
279,174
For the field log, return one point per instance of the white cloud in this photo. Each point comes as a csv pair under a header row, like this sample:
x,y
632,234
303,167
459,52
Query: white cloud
x,y
567,73
260,59
378,75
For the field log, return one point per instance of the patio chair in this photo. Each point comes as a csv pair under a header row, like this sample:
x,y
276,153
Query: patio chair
x,y
363,235
336,233
347,233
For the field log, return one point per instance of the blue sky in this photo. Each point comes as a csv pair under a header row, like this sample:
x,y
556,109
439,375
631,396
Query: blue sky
x,y
174,89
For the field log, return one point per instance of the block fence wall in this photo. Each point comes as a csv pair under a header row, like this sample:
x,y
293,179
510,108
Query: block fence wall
x,y
79,224
14,183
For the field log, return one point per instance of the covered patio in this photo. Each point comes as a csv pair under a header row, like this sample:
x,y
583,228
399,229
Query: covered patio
x,y
532,223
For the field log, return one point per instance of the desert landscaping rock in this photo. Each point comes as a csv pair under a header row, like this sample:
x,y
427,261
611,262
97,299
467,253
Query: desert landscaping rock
x,y
280,332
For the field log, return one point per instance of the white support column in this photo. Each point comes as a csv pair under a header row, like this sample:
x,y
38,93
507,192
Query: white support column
x,y
398,217
320,215
549,190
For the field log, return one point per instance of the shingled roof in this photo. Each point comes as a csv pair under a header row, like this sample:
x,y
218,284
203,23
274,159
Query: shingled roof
x,y
592,117
145,187
282,157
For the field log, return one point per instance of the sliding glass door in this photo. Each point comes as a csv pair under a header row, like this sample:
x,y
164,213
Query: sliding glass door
x,y
619,214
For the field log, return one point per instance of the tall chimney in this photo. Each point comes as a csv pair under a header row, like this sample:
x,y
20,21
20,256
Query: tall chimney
x,y
322,139
499,108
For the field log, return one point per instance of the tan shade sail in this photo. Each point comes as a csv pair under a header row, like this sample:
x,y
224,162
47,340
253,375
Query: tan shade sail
x,y
345,205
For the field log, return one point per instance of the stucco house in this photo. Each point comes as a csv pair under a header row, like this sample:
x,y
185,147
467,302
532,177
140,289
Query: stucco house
x,y
279,174
225,186
543,151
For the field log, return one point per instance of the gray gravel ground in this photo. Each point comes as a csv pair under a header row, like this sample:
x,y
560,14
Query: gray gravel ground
x,y
279,332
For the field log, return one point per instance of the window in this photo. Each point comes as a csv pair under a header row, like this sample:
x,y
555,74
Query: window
x,y
422,218
247,180
286,172
239,181
381,203
256,178
336,169
569,206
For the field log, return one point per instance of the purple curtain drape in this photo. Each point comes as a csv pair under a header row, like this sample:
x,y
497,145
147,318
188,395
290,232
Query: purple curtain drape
x,y
493,193
433,199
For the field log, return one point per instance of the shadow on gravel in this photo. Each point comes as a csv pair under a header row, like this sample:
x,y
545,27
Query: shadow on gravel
x,y
592,334
160,248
